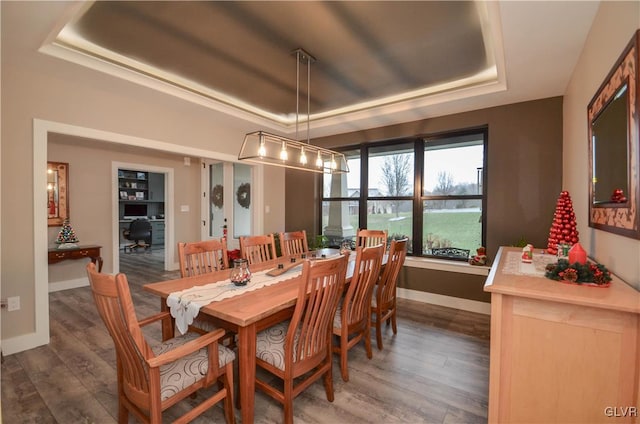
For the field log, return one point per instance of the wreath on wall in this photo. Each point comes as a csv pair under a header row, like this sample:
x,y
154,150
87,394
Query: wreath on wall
x,y
244,195
217,196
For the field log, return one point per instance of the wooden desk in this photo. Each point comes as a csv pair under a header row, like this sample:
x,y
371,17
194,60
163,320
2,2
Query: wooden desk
x,y
245,314
561,353
89,251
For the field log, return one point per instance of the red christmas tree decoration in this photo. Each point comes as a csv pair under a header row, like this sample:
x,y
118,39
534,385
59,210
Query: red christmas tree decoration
x,y
563,229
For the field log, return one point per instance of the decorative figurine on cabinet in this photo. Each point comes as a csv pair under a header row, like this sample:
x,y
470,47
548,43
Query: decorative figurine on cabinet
x,y
527,254
480,258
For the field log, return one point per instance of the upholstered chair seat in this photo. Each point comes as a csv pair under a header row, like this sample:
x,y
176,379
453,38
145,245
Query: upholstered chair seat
x,y
182,373
270,344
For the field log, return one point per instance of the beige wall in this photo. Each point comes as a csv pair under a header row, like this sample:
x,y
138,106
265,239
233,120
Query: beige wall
x,y
612,29
37,86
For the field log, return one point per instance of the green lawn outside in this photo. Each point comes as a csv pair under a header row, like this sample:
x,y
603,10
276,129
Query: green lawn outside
x,y
456,229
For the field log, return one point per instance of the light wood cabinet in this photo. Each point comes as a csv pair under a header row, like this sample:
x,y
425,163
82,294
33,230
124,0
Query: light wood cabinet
x,y
561,353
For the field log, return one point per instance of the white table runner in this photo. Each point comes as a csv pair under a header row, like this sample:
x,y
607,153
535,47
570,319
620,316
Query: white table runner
x,y
514,265
185,304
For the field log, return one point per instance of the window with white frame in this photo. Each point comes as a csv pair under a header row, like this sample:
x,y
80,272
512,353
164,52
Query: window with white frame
x,y
430,189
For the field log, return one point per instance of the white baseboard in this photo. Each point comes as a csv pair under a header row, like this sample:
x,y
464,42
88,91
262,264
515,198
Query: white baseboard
x,y
447,301
24,342
68,284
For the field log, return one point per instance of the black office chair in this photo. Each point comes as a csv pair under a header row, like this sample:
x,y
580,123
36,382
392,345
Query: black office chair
x,y
139,233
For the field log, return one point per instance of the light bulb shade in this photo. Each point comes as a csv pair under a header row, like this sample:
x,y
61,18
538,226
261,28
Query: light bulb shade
x,y
303,157
262,151
283,152
273,146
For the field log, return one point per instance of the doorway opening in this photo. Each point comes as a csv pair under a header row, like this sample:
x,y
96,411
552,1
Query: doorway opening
x,y
139,215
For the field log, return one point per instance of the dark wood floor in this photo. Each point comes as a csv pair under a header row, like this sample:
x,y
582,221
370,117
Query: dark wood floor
x,y
435,370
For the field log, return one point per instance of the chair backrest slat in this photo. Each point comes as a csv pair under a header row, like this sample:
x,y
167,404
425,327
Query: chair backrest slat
x,y
202,257
386,292
258,249
312,321
368,238
294,243
113,301
356,305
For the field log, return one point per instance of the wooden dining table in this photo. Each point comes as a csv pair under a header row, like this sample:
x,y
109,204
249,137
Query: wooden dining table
x,y
245,314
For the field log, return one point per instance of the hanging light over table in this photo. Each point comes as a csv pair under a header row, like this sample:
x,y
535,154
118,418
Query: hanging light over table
x,y
270,149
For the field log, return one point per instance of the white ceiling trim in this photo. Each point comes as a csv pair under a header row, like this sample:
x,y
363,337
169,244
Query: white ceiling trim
x,y
64,44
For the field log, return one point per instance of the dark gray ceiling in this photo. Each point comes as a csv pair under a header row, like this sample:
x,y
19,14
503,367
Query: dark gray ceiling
x,y
364,50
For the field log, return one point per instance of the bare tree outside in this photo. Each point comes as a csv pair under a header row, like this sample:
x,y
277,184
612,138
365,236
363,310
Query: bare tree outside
x,y
445,185
396,172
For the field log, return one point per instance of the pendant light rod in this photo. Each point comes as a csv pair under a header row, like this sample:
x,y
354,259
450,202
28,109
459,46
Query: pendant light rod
x,y
302,56
271,149
308,97
297,92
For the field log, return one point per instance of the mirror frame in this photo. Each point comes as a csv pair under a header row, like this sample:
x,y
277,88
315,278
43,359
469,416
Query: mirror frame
x,y
63,193
619,218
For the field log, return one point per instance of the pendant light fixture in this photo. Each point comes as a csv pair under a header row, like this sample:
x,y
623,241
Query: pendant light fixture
x,y
271,149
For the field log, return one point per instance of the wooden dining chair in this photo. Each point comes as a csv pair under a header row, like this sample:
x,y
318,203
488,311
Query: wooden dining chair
x,y
152,378
367,238
202,257
258,249
293,243
302,346
351,322
383,303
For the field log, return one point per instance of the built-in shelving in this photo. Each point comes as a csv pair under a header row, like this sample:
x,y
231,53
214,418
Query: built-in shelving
x,y
133,185
140,194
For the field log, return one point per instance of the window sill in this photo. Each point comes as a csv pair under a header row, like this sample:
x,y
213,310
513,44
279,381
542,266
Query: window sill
x,y
446,265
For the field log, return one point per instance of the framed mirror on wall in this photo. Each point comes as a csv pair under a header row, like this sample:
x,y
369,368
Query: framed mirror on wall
x,y
57,193
614,186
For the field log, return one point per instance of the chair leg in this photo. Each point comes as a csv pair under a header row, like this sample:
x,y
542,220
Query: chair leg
x,y
288,402
328,382
394,324
367,341
344,349
229,412
378,332
123,413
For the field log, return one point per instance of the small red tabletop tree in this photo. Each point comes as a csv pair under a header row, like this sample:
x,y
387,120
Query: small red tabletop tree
x,y
563,228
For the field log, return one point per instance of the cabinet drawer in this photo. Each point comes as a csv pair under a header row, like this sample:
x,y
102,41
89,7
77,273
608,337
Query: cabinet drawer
x,y
84,253
59,256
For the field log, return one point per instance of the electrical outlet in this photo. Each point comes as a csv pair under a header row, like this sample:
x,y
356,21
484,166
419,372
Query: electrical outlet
x,y
13,303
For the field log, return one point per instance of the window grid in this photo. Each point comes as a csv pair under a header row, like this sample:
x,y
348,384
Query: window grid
x,y
418,198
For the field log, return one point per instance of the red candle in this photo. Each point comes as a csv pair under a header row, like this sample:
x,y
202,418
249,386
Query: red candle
x,y
577,254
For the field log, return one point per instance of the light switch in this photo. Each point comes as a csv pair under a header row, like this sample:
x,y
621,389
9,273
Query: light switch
x,y
184,208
